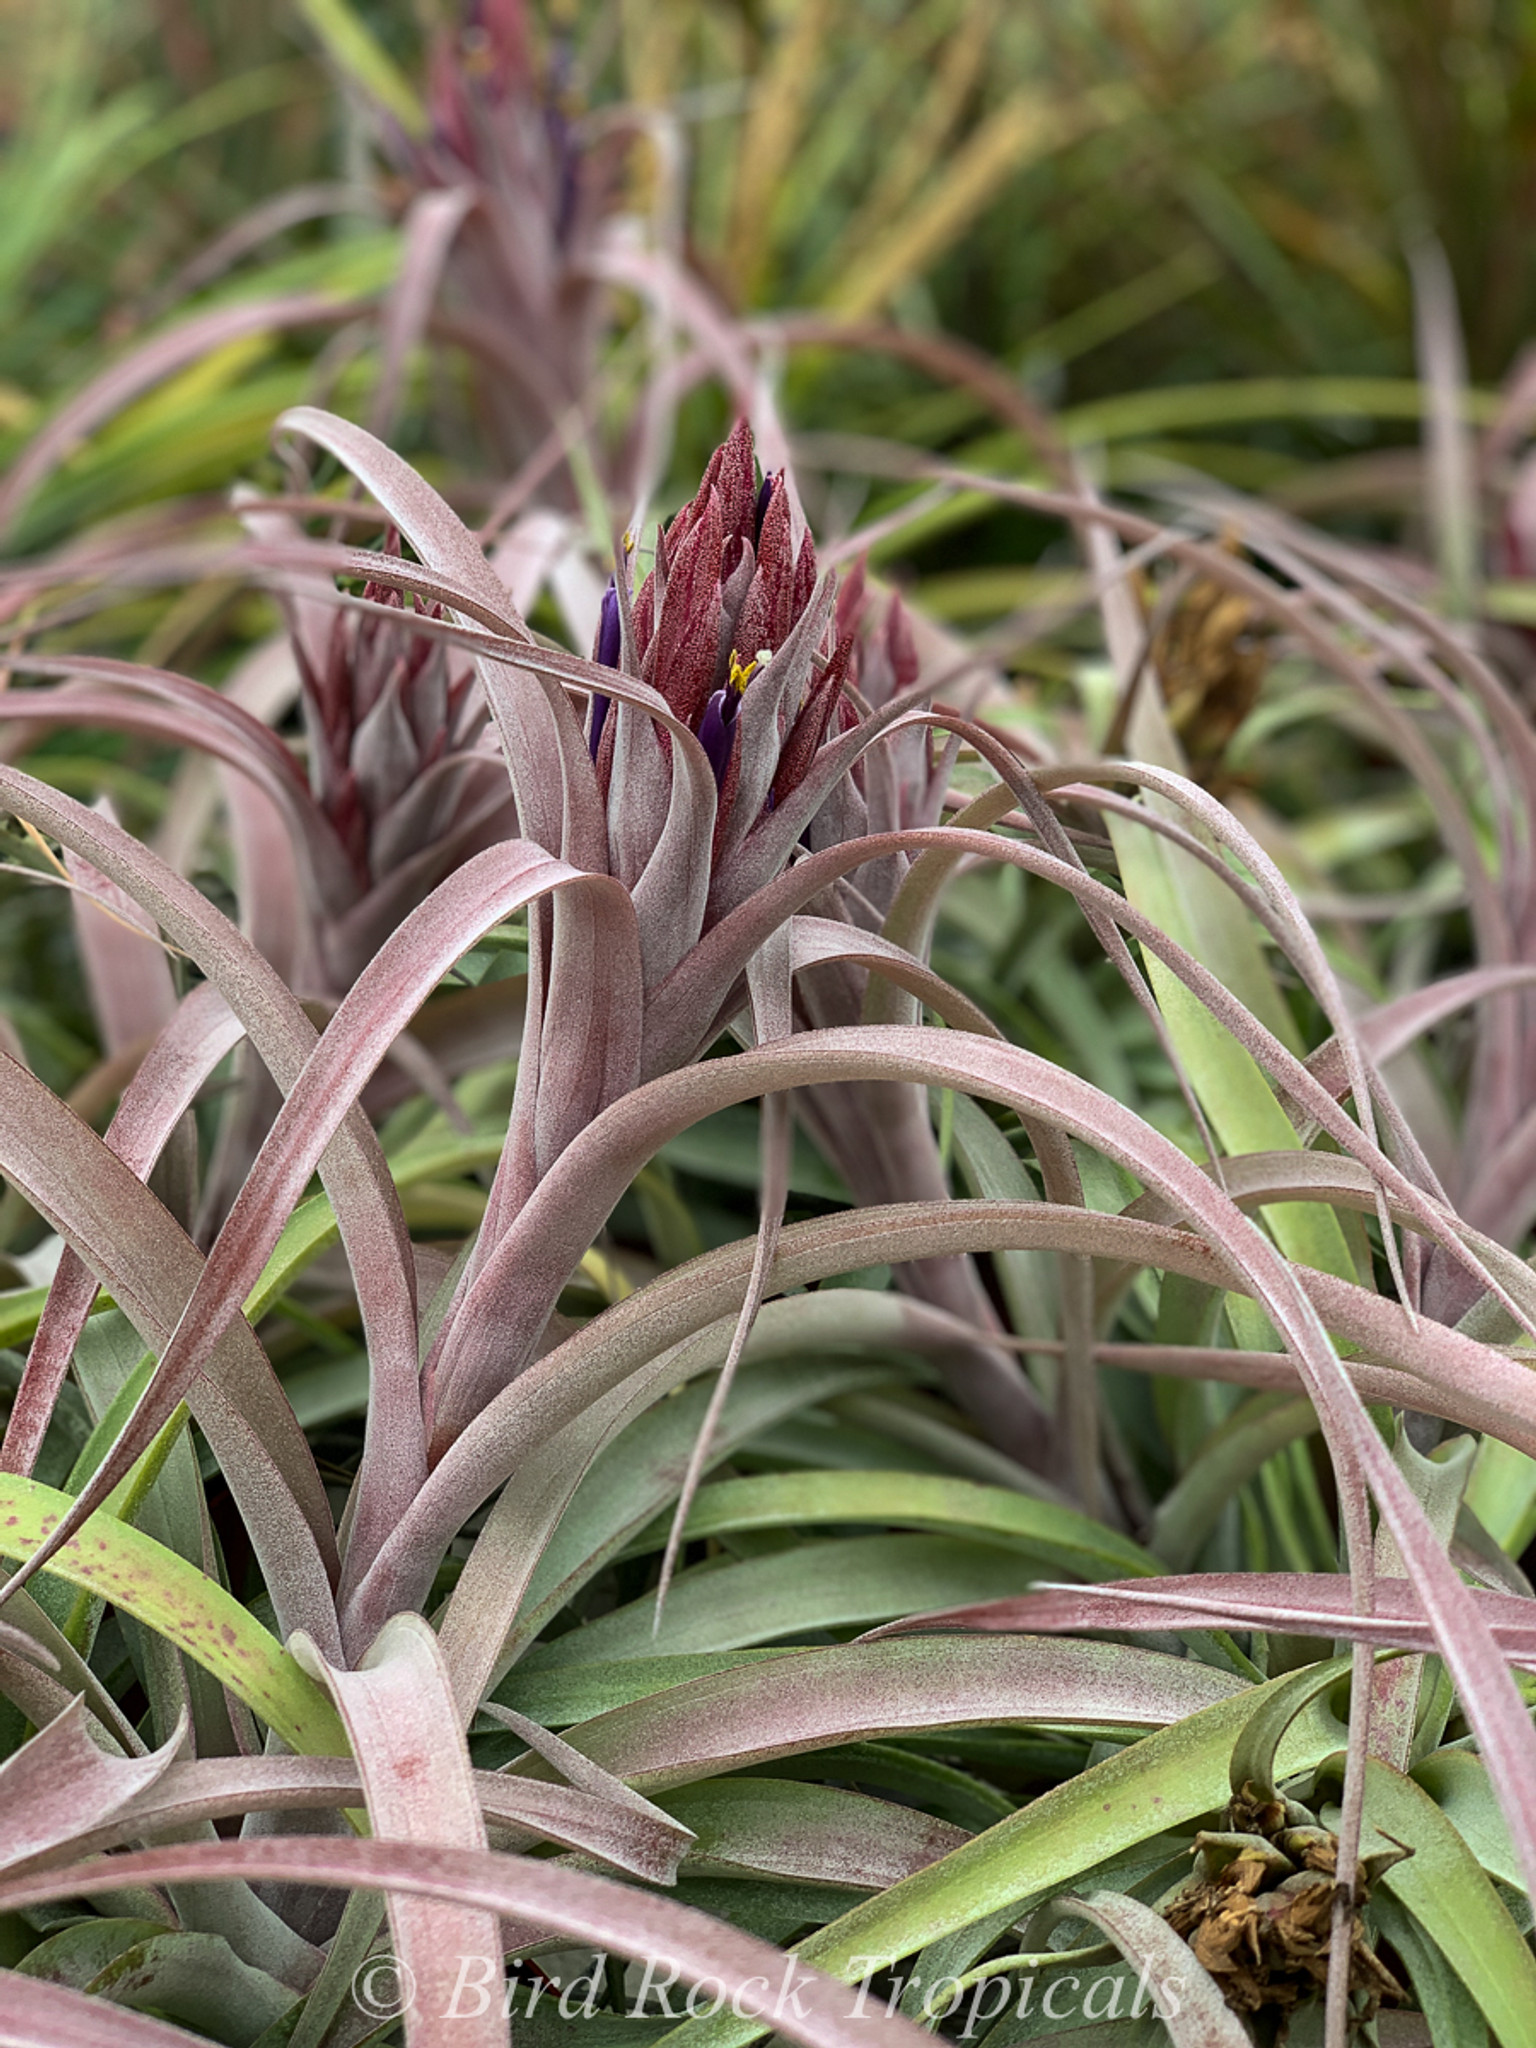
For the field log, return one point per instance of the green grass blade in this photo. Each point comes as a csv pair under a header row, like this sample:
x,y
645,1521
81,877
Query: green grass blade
x,y
353,49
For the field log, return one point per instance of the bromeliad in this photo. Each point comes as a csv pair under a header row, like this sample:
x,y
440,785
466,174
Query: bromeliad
x,y
682,856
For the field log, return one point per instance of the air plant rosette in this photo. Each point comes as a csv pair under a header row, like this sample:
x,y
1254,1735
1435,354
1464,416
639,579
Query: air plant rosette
x,y
393,727
526,184
711,849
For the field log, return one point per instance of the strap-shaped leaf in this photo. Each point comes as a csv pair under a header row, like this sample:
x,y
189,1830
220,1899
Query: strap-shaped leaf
x,y
174,708
781,1828
538,728
916,1501
847,1583
795,2001
630,1834
802,1700
1297,1603
116,1562
695,991
397,1707
59,1785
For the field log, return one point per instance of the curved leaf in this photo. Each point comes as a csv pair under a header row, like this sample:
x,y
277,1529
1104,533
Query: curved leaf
x,y
1197,2016
631,1835
914,1500
60,1784
1159,1783
150,364
114,1561
797,2002
1443,1886
1295,1603
398,1713
807,1699
36,2015
566,1513
847,1583
778,1827
183,1056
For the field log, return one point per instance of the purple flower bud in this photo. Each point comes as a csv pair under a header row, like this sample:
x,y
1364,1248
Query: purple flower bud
x,y
607,649
606,652
717,731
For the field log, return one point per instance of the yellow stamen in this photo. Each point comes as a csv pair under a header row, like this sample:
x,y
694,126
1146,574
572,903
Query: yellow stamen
x,y
741,672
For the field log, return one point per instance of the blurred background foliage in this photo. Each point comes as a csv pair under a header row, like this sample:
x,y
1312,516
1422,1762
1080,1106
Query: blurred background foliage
x,y
1112,197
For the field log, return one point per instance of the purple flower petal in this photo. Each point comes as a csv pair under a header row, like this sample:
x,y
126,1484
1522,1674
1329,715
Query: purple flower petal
x,y
607,653
717,730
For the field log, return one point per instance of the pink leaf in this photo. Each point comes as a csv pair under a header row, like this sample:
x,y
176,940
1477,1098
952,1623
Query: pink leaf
x,y
1298,1603
634,1837
59,1785
202,1031
399,1715
38,2015
855,1692
799,2003
131,987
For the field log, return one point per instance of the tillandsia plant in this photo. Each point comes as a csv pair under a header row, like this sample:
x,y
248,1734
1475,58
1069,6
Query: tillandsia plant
x,y
533,186
532,222
738,807
692,828
486,225
399,776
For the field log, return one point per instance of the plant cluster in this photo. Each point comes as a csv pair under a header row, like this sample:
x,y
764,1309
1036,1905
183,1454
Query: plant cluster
x,y
725,1313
